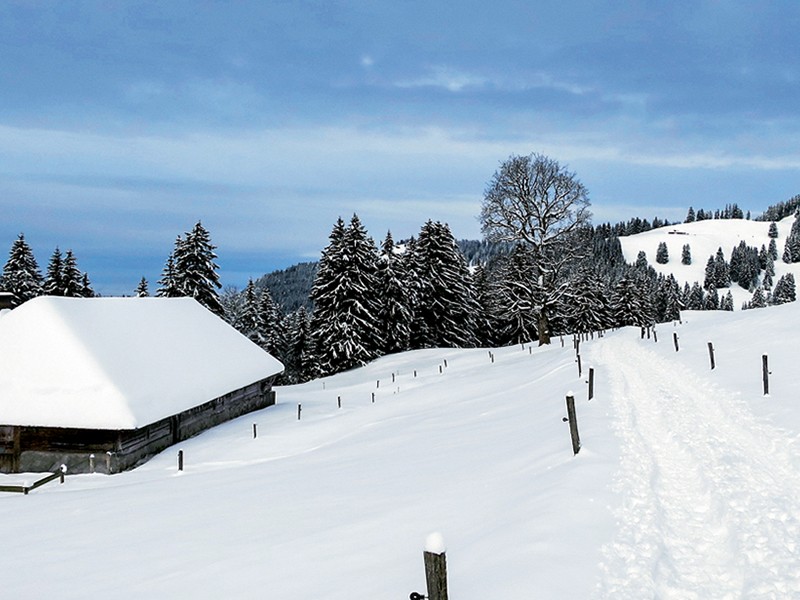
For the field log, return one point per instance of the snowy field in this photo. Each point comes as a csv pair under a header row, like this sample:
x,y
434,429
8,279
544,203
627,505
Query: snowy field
x,y
687,485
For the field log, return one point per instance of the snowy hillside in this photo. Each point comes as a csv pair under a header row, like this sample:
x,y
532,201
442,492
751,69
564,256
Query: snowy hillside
x,y
704,238
687,485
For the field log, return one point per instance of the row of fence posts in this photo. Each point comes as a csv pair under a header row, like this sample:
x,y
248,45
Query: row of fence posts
x,y
765,372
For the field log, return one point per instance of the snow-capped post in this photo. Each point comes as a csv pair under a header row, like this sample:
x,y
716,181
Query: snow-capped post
x,y
711,355
109,454
62,472
299,410
435,567
180,460
675,339
573,423
765,373
91,463
591,383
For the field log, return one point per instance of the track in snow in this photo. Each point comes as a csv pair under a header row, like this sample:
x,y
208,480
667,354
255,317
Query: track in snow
x,y
710,496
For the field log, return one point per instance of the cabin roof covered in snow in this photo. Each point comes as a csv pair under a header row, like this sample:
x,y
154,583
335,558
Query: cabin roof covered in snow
x,y
118,363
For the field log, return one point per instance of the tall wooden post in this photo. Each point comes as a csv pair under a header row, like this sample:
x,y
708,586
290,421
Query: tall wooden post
x,y
675,339
711,355
435,567
765,373
591,383
573,424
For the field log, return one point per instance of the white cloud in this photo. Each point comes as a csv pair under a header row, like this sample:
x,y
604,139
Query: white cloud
x,y
447,78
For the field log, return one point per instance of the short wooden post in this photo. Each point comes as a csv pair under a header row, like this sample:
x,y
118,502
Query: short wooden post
x,y
492,356
577,346
655,335
108,462
255,430
562,340
648,332
765,373
91,463
573,424
642,332
378,384
180,460
373,397
299,410
435,568
580,370
445,363
591,383
415,373
62,473
440,369
339,401
711,355
392,377
675,339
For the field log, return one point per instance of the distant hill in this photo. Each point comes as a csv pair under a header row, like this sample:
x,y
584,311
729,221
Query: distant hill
x,y
291,287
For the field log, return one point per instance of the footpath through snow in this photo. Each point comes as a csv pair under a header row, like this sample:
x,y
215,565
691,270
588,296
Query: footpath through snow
x,y
710,494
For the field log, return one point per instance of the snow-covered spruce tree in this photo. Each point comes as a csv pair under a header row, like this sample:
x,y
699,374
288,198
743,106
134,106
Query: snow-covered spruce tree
x,y
395,301
250,319
86,286
587,302
712,299
445,306
722,271
772,250
72,276
672,300
629,304
21,274
142,290
487,294
662,253
696,298
54,283
726,303
686,255
785,290
534,201
517,320
195,270
641,260
272,334
773,230
709,281
168,284
758,300
690,216
345,320
301,358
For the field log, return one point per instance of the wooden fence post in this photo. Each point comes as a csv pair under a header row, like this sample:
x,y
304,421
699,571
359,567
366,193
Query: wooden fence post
x,y
591,383
255,430
675,339
62,472
765,373
180,460
299,410
435,567
711,355
655,335
573,424
579,365
91,463
373,397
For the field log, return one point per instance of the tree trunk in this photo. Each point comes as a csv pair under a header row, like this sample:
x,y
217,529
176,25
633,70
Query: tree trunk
x,y
543,328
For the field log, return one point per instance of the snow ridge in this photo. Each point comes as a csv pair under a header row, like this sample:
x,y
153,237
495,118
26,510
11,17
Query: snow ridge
x,y
710,496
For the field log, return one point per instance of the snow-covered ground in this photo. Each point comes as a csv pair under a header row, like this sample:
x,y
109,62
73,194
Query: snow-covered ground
x,y
704,239
687,484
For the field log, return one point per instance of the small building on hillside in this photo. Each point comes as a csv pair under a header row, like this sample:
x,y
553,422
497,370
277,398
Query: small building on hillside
x,y
106,383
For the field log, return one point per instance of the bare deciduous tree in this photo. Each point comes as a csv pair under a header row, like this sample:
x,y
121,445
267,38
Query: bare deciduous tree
x,y
535,202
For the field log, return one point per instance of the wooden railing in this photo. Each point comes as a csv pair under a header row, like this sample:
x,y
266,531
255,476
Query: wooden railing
x,y
24,489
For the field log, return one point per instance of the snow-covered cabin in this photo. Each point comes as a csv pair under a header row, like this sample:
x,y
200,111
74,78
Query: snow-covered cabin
x,y
120,379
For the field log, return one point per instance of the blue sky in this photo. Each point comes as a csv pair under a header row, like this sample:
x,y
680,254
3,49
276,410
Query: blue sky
x,y
123,123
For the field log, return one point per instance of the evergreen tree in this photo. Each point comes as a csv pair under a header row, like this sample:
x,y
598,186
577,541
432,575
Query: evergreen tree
x,y
54,282
722,272
395,303
168,284
250,321
346,326
641,260
628,302
711,300
142,290
773,230
589,309
686,255
272,335
72,276
194,269
517,304
690,217
726,303
710,282
445,306
21,274
772,250
696,298
662,254
758,300
86,287
785,290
